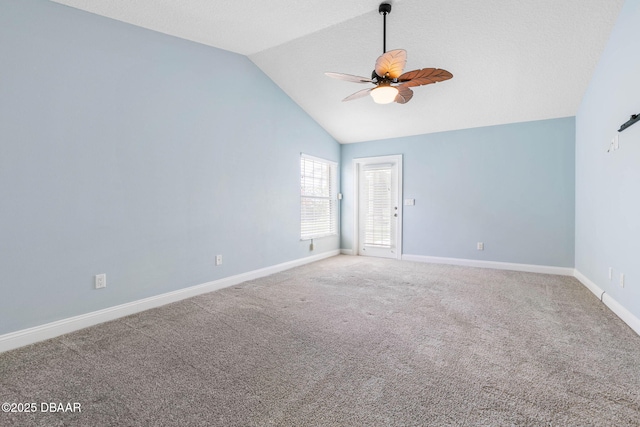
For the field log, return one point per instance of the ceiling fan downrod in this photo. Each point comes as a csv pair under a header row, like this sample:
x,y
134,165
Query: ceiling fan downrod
x,y
384,9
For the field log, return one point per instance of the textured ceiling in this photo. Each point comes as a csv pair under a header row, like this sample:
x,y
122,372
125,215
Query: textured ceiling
x,y
512,61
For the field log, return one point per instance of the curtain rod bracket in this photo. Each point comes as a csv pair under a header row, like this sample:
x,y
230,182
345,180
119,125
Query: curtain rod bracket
x,y
634,118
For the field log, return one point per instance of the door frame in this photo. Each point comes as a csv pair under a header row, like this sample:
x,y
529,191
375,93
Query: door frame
x,y
357,165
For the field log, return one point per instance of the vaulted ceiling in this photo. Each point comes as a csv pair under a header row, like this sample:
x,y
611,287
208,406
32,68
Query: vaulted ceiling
x,y
512,60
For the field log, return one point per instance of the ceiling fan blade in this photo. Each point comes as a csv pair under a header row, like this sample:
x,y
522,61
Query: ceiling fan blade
x,y
391,64
358,94
349,78
424,76
404,94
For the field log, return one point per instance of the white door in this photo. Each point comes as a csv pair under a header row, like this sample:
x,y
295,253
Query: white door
x,y
379,210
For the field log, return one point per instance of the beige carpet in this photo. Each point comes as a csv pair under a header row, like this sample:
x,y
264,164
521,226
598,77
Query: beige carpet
x,y
349,341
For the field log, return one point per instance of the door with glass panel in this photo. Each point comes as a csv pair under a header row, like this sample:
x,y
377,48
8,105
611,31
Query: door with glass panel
x,y
379,210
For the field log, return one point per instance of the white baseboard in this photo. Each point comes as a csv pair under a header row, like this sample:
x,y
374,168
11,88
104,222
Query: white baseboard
x,y
531,268
346,251
624,314
50,330
595,289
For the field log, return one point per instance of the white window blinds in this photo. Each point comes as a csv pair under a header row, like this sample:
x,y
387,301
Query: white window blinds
x,y
318,197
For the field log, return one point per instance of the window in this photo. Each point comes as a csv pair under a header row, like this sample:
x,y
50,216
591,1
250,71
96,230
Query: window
x,y
377,205
318,198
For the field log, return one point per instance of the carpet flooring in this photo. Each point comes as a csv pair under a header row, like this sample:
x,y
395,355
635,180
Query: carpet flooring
x,y
347,341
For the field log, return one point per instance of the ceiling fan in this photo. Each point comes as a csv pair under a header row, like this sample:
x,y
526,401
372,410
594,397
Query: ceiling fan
x,y
391,84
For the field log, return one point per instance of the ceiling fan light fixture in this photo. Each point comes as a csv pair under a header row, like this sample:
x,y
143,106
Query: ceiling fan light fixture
x,y
391,83
384,94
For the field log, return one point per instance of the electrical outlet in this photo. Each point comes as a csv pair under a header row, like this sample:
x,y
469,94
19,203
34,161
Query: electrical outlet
x,y
480,246
610,273
101,281
621,280
218,259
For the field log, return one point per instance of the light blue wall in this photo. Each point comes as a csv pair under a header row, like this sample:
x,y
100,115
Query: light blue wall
x,y
510,187
131,153
608,184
